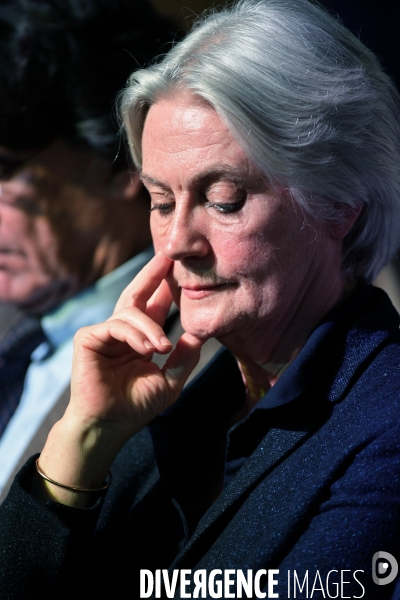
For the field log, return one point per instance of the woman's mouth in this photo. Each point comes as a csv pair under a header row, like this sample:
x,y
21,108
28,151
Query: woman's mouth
x,y
197,292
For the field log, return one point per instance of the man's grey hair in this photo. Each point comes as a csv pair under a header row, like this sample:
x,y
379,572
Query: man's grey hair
x,y
307,101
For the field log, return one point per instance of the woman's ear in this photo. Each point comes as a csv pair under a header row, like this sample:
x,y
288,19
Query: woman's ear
x,y
125,185
349,216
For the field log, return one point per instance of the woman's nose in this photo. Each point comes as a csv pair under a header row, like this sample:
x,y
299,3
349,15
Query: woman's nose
x,y
186,234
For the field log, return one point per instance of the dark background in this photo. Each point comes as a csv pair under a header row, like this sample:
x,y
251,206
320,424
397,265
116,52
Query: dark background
x,y
376,22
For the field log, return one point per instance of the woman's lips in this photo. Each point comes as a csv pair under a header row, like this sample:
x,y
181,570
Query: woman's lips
x,y
199,292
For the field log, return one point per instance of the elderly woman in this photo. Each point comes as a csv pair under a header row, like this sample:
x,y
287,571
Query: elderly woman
x,y
269,140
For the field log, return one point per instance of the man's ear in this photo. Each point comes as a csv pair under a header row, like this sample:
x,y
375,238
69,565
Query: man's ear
x,y
125,185
349,216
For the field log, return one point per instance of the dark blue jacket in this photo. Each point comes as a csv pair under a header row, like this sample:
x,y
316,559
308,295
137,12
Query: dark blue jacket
x,y
316,491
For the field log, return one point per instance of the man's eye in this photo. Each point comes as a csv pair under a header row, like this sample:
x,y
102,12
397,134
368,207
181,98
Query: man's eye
x,y
226,207
163,208
27,205
30,207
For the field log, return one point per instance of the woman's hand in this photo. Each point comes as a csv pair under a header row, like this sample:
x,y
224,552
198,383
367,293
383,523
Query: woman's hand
x,y
113,378
115,388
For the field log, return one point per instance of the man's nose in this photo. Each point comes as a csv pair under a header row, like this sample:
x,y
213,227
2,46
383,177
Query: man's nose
x,y
187,234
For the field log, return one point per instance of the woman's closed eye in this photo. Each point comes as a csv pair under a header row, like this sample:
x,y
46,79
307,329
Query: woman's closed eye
x,y
225,197
222,197
226,207
164,208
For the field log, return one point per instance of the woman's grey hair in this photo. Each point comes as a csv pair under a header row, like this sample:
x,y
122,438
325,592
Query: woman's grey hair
x,y
307,101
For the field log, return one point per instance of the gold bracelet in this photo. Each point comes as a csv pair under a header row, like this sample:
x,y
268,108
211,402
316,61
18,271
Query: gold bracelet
x,y
72,488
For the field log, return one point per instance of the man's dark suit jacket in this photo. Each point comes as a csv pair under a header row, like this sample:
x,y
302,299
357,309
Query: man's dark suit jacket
x,y
319,491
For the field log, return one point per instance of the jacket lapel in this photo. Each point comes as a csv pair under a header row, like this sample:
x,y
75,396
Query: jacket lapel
x,y
271,451
9,316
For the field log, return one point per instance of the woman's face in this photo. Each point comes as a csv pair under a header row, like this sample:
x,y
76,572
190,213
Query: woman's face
x,y
245,260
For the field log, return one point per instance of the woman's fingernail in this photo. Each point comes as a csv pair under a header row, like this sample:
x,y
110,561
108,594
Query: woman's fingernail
x,y
165,341
148,344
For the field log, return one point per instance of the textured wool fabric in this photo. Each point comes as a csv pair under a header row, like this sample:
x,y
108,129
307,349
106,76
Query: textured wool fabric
x,y
318,491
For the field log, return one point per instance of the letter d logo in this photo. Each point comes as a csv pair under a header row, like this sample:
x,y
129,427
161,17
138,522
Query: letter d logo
x,y
384,563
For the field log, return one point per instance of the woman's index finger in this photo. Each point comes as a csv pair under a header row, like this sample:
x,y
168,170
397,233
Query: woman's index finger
x,y
160,303
146,282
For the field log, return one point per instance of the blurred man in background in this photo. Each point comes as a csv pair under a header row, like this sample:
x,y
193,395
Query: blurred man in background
x,y
73,216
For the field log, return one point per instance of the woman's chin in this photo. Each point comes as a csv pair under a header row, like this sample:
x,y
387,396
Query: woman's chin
x,y
202,333
203,328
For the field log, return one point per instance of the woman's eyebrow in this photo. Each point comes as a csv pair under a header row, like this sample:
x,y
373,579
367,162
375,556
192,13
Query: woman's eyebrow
x,y
152,181
208,176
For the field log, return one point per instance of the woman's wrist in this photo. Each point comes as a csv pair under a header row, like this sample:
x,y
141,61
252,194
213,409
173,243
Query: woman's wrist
x,y
77,453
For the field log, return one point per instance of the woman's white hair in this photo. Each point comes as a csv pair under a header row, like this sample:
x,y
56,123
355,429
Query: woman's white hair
x,y
309,104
